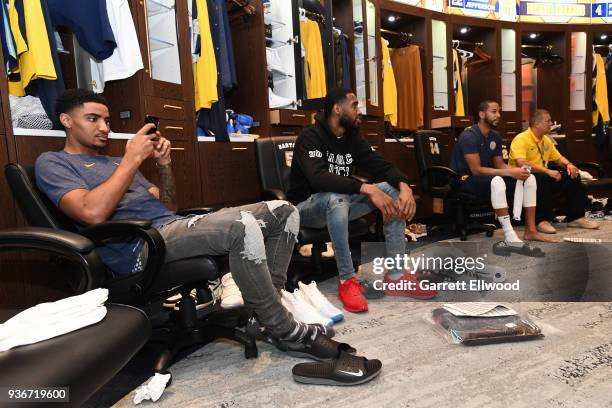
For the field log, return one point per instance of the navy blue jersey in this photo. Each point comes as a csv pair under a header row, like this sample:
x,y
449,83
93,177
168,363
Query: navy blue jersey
x,y
470,141
88,20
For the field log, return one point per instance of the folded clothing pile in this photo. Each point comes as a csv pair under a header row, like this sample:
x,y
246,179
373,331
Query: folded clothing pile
x,y
27,112
47,320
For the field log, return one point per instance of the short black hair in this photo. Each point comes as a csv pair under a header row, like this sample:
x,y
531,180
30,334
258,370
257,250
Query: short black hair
x,y
482,107
74,98
334,96
537,115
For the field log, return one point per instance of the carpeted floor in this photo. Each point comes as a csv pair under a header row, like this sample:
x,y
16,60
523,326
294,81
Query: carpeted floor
x,y
570,367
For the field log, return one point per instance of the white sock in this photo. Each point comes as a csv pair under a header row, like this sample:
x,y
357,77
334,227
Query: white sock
x,y
509,233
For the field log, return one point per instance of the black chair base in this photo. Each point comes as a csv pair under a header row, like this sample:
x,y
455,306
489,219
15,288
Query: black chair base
x,y
178,338
466,229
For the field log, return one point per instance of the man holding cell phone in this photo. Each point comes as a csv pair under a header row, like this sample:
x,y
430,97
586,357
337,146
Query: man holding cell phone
x,y
92,188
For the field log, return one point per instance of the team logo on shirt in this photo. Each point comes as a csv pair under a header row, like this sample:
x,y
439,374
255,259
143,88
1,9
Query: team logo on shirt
x,y
89,166
492,145
546,147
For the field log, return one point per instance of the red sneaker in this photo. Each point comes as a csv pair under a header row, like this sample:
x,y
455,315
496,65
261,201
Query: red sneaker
x,y
351,296
403,288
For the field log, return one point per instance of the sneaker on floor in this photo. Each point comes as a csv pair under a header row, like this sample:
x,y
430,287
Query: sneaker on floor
x,y
351,296
583,223
320,302
546,227
369,291
305,302
403,290
303,311
231,297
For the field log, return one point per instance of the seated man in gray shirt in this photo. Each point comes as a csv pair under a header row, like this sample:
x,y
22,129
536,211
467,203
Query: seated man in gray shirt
x,y
92,188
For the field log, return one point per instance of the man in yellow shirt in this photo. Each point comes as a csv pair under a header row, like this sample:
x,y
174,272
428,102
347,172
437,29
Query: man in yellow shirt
x,y
535,148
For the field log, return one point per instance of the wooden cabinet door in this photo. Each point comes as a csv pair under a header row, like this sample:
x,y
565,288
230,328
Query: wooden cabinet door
x,y
229,173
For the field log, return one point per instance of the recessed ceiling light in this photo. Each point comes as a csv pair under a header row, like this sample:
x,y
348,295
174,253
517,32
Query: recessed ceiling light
x,y
392,18
533,36
464,30
603,36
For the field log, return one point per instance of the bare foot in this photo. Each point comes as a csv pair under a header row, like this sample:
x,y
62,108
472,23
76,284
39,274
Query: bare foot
x,y
536,236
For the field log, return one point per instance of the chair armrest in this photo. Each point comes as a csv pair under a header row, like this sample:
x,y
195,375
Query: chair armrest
x,y
595,167
361,179
441,180
195,211
68,245
273,194
101,233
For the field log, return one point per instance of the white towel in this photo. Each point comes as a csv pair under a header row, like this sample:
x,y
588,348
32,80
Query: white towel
x,y
47,320
518,200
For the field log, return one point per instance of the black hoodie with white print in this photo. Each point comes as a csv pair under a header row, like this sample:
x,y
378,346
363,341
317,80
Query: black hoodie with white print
x,y
323,162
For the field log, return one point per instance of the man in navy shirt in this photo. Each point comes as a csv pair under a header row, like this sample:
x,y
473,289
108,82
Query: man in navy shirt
x,y
477,159
92,188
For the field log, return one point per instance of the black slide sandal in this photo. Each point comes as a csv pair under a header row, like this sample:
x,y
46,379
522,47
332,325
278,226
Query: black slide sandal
x,y
501,248
346,370
321,349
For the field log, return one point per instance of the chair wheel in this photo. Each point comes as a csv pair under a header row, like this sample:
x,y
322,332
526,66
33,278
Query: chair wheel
x,y
489,234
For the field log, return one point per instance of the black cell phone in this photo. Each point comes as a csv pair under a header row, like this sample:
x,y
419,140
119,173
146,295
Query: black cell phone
x,y
154,120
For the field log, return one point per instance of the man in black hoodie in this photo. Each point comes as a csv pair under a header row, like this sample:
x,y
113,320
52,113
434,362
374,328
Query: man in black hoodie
x,y
325,157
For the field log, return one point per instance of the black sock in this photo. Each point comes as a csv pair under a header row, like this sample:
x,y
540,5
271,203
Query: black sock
x,y
303,332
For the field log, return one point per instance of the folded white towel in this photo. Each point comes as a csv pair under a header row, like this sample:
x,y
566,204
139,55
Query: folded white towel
x,y
47,320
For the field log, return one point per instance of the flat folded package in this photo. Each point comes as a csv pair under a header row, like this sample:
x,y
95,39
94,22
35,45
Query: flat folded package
x,y
476,330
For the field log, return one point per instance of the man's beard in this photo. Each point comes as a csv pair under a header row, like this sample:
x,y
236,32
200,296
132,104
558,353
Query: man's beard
x,y
348,124
490,123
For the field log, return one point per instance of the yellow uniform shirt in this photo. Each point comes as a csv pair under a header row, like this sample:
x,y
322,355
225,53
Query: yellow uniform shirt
x,y
538,152
34,58
459,108
205,68
314,66
601,92
389,86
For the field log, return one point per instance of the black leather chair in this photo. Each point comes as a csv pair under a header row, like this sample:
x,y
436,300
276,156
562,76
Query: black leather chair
x,y
274,156
186,327
463,210
83,360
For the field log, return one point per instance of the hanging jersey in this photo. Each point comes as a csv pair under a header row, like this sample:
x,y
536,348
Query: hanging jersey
x,y
88,20
205,68
126,59
314,65
389,86
459,107
35,59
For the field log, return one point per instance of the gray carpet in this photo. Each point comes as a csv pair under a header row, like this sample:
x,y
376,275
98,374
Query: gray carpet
x,y
570,367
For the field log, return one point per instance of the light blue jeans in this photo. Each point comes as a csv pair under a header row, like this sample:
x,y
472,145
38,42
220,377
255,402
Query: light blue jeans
x,y
334,211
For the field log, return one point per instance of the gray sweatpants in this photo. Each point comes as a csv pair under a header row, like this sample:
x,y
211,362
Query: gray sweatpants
x,y
259,239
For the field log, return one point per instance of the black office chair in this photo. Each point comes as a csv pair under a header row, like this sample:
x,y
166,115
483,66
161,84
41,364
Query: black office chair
x,y
85,359
274,156
186,327
463,210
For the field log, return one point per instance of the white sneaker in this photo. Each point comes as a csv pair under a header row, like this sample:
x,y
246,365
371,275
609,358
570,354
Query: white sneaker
x,y
274,61
278,101
303,311
231,297
320,302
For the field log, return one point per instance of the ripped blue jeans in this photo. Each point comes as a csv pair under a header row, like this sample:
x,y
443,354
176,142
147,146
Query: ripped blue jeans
x,y
259,239
334,211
